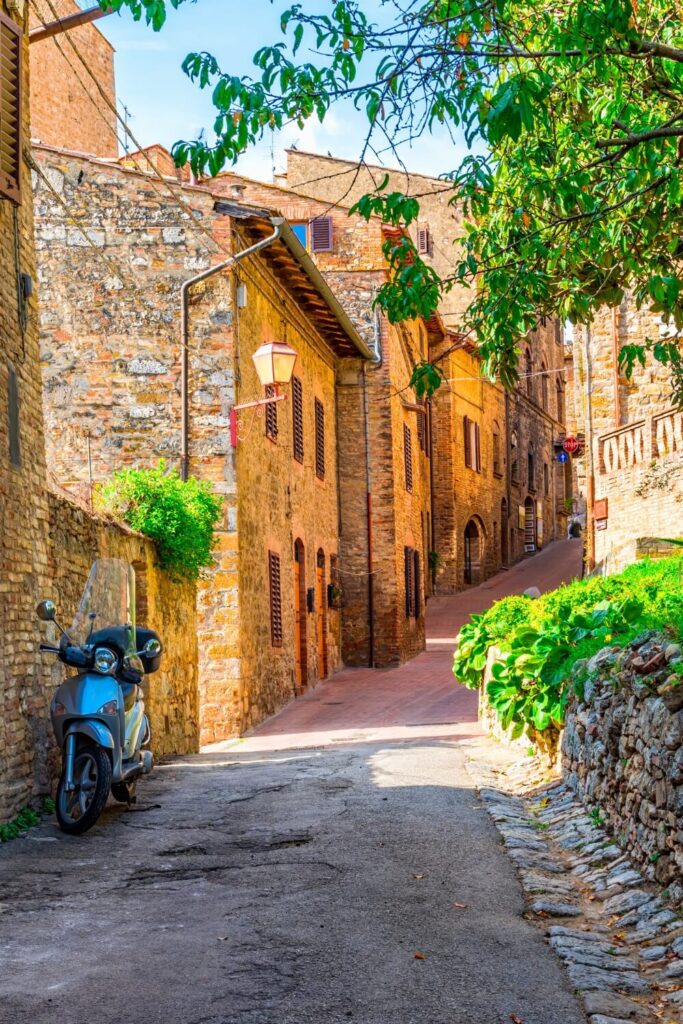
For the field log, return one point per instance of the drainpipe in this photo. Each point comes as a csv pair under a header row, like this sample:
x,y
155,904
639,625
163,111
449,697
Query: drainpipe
x,y
590,467
377,363
277,223
55,28
615,365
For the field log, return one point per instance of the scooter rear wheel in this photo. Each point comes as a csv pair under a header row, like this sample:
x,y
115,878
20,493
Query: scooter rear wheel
x,y
78,810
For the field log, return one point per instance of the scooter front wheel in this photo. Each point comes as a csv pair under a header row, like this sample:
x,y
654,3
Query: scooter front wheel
x,y
78,809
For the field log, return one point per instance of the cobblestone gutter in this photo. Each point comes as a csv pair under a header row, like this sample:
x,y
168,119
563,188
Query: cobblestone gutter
x,y
616,930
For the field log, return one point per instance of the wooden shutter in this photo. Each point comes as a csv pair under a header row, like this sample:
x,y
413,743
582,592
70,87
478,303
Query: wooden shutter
x,y
468,446
275,599
10,109
319,439
422,432
417,583
423,241
271,415
408,456
409,566
477,447
321,234
297,419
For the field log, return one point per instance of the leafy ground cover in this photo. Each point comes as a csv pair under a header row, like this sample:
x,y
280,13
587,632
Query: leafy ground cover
x,y
540,641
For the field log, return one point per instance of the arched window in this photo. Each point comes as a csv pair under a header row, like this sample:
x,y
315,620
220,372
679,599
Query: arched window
x,y
544,386
559,391
528,370
514,458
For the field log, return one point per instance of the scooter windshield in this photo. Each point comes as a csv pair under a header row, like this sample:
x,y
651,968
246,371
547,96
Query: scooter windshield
x,y
108,600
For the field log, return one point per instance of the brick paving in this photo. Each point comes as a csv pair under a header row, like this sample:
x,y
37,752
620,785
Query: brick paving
x,y
419,699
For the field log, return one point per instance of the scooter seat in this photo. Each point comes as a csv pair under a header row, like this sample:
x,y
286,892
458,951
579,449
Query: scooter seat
x,y
130,694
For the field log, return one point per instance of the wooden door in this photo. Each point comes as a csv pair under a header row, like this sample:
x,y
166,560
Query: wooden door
x,y
300,658
321,605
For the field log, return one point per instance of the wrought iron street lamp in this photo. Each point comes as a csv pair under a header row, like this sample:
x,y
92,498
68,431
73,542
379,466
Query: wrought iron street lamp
x,y
274,363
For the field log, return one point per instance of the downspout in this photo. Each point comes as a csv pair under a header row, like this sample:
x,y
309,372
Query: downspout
x,y
590,469
615,365
55,28
376,365
277,223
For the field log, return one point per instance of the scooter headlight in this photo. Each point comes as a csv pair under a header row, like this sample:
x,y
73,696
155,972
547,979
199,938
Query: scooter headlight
x,y
110,708
105,661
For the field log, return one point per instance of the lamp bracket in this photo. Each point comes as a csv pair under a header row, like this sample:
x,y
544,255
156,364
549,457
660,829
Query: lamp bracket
x,y
250,405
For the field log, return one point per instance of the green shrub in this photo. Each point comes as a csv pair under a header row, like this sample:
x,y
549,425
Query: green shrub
x,y
179,516
540,641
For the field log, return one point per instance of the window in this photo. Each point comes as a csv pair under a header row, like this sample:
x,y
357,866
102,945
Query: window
x,y
319,439
411,582
514,460
544,387
531,470
472,444
546,479
297,420
275,599
321,234
417,582
271,415
497,464
13,416
423,241
528,370
10,109
301,232
560,401
408,457
422,432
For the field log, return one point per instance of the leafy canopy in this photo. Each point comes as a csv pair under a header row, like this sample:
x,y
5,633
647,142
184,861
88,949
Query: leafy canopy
x,y
574,112
179,516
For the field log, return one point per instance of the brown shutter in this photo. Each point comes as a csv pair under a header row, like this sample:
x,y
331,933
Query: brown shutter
x,y
477,446
468,448
423,241
417,583
10,109
422,431
410,589
319,439
275,599
271,415
297,419
321,234
408,456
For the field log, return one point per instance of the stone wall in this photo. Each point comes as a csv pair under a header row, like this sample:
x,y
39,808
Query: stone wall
x,y
67,106
623,751
23,499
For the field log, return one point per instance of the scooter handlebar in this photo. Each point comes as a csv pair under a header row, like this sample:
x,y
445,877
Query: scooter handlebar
x,y
49,649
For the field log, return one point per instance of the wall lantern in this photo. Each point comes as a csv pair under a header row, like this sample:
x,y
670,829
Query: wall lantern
x,y
274,363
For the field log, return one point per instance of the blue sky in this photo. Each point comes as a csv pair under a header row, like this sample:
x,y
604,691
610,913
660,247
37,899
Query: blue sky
x,y
165,106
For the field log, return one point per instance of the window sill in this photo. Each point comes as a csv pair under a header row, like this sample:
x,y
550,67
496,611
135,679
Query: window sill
x,y
498,475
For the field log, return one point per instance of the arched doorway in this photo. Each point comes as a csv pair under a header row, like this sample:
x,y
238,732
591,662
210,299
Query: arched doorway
x,y
504,533
300,646
529,525
321,604
473,552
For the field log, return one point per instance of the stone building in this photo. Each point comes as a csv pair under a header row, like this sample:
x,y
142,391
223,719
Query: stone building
x,y
633,481
113,252
47,543
498,491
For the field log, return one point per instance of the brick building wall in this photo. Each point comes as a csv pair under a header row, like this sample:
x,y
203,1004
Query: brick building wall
x,y
399,518
634,436
23,501
110,320
67,108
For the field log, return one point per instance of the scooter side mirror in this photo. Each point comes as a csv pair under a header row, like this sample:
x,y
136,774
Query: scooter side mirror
x,y
152,648
47,611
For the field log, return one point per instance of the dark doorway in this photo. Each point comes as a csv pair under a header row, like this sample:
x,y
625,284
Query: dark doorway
x,y
473,545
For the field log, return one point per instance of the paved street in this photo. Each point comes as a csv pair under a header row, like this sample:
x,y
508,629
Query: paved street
x,y
336,866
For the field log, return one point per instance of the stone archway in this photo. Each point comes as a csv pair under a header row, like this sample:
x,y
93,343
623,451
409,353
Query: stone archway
x,y
474,551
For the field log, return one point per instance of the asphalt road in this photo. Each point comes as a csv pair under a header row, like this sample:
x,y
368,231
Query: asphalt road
x,y
282,888
293,879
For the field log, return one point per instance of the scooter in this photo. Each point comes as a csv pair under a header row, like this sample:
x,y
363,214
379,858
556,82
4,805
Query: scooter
x,y
98,714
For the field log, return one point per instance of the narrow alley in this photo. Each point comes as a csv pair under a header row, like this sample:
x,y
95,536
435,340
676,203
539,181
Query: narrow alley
x,y
335,866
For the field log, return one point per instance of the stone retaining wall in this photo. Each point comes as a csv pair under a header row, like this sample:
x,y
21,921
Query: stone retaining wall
x,y
622,751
